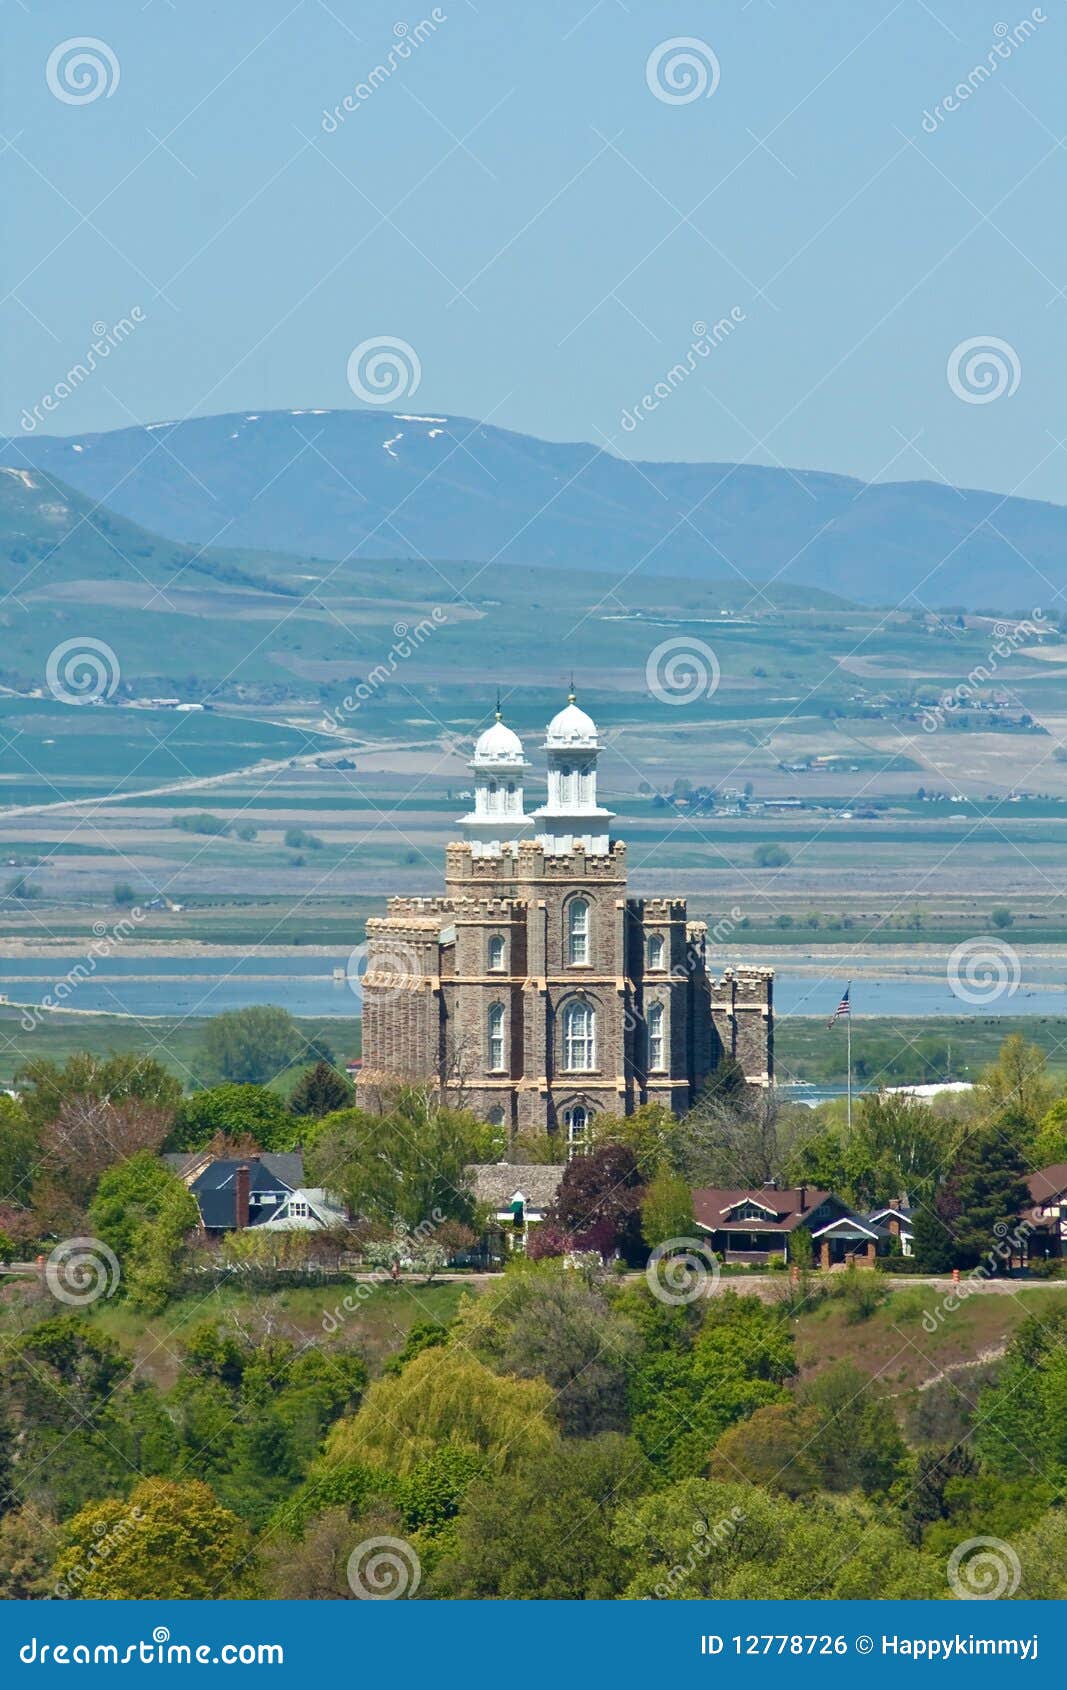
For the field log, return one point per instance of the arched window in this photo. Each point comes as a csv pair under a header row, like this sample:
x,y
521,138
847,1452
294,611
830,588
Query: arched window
x,y
655,1036
496,1035
576,1121
655,950
579,1038
577,931
496,1117
496,952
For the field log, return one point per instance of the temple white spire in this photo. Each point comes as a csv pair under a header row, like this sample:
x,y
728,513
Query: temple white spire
x,y
571,816
498,765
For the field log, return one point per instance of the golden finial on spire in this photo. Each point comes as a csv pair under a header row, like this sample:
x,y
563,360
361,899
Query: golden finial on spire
x,y
572,695
499,712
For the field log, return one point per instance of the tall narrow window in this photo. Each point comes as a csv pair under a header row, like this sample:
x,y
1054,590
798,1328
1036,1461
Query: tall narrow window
x,y
579,1038
655,1036
655,950
496,1036
576,1121
578,931
496,952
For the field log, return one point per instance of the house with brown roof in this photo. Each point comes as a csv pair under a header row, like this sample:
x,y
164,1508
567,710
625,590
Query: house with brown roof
x,y
757,1225
1048,1217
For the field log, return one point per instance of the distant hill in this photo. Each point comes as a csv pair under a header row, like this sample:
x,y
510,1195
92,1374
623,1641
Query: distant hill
x,y
341,484
261,627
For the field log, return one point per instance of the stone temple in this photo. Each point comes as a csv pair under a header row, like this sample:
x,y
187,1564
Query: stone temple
x,y
535,991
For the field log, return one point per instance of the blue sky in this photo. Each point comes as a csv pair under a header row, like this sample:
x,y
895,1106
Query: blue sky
x,y
515,202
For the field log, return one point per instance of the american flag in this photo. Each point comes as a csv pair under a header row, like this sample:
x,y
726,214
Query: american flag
x,y
843,1008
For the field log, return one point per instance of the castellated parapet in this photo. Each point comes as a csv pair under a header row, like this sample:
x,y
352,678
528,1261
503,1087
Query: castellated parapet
x,y
535,990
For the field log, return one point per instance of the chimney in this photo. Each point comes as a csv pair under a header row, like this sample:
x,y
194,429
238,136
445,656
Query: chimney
x,y
803,1195
240,1201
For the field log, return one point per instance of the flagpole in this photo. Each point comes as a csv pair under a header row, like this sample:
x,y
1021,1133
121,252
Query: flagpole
x,y
848,1019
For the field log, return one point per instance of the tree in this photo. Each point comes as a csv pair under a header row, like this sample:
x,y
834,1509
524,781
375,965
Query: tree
x,y
167,1541
1002,917
1017,1085
407,1166
44,1085
87,1136
703,1538
321,1090
981,1201
1049,1146
130,1198
27,1543
445,1397
547,1533
237,1112
740,1137
769,855
653,1132
18,1151
667,1211
158,1251
549,1322
599,1200
251,1046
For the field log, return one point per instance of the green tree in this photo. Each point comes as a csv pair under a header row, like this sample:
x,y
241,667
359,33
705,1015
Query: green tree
x,y
18,1152
546,1534
166,1541
234,1111
653,1132
1002,917
27,1545
407,1166
769,855
1017,1086
1049,1144
251,1046
981,1201
158,1251
45,1085
548,1322
706,1539
129,1197
667,1211
321,1090
445,1398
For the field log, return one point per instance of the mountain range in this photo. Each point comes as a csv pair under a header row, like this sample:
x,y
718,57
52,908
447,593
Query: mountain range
x,y
342,485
